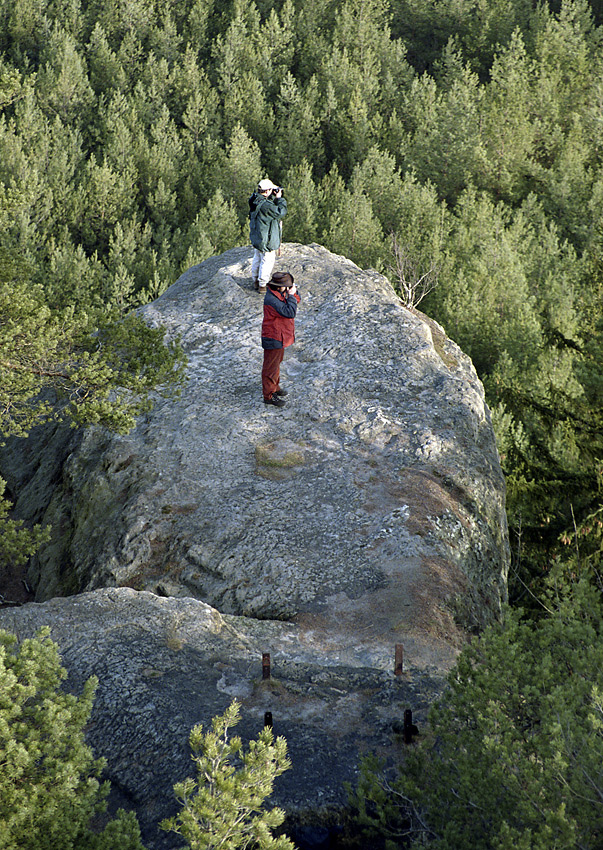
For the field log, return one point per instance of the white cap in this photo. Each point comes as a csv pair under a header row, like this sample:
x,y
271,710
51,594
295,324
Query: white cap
x,y
266,184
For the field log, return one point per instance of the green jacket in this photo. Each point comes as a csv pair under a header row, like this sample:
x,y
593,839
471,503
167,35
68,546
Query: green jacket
x,y
265,215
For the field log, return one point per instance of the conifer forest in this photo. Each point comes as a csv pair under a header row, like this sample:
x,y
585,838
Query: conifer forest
x,y
454,145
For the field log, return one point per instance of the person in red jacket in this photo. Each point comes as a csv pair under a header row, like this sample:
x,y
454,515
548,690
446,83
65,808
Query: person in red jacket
x,y
278,331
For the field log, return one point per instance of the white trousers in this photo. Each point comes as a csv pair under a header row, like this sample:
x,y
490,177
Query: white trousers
x,y
262,265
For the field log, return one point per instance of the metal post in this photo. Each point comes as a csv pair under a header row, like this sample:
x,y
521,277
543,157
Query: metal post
x,y
399,662
409,729
266,665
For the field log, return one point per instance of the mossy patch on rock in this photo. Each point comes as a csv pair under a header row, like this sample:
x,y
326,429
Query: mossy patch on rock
x,y
279,458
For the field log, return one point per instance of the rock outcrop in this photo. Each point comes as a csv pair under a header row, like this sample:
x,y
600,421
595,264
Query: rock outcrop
x,y
367,513
164,665
375,497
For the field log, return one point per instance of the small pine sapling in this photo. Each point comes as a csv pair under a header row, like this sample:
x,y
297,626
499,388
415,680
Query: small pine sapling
x,y
222,806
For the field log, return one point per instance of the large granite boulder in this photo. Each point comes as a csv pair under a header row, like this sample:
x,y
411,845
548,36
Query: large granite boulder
x,y
372,504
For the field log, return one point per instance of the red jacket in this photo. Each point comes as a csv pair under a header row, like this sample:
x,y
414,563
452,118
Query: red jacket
x,y
278,327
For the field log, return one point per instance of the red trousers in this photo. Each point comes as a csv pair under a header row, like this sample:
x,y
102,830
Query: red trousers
x,y
271,370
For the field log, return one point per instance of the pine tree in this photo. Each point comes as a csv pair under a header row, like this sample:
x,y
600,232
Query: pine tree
x,y
351,125
235,57
444,143
24,23
510,293
164,40
481,28
215,229
513,755
246,105
240,171
199,18
509,129
222,805
566,55
94,376
159,160
49,779
278,41
568,187
106,199
297,126
486,303
105,70
355,232
62,84
122,19
304,199
379,177
71,279
98,369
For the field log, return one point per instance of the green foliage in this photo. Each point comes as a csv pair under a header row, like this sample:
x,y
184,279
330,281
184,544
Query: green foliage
x,y
17,543
305,200
49,780
515,747
444,140
479,25
355,232
60,364
222,806
56,364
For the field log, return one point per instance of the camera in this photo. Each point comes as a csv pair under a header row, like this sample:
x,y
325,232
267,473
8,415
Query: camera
x,y
276,191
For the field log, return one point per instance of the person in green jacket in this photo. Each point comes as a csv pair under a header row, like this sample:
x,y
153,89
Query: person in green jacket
x,y
267,208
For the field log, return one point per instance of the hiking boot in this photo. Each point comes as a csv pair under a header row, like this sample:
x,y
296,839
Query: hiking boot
x,y
261,289
277,402
280,393
256,285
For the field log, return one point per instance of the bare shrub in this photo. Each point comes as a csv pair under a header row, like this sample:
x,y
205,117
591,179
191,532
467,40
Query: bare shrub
x,y
412,280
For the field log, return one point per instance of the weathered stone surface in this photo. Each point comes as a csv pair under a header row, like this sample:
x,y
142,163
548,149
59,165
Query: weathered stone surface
x,y
370,508
164,665
367,513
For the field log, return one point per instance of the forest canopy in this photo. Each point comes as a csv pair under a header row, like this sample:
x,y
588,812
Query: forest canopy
x,y
464,137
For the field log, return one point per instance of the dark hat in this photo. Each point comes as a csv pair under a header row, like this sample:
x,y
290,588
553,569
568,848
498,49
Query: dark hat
x,y
281,279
